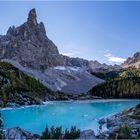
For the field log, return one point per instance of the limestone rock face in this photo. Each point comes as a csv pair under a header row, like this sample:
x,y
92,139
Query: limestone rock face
x,y
32,17
132,61
29,45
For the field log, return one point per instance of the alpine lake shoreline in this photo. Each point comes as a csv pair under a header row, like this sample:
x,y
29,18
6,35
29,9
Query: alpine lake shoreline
x,y
111,124
33,70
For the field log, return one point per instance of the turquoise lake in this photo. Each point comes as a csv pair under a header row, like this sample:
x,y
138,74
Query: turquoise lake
x,y
83,114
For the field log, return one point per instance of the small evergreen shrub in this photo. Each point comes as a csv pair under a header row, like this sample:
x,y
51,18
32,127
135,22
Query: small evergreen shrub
x,y
57,133
72,134
124,132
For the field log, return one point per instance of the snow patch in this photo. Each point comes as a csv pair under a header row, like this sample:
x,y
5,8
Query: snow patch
x,y
60,68
67,68
59,84
68,79
74,68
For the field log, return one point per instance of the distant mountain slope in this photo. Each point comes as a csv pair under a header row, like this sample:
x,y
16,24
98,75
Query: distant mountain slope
x,y
132,61
70,80
29,45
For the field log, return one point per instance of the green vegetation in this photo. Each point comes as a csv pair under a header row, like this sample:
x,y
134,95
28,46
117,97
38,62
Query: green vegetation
x,y
123,132
106,75
122,84
134,113
17,87
73,133
57,133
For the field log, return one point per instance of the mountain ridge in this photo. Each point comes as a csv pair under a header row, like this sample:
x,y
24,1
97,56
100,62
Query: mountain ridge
x,y
132,61
29,45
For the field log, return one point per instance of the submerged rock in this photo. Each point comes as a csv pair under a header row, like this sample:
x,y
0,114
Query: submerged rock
x,y
102,121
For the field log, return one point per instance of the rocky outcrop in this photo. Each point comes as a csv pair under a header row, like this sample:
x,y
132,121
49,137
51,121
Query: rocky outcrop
x,y
125,125
17,133
87,134
132,61
30,46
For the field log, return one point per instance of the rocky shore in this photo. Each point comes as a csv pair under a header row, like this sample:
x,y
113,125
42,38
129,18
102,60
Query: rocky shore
x,y
124,125
15,133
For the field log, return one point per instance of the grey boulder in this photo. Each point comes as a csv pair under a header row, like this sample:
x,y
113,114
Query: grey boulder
x,y
18,134
87,134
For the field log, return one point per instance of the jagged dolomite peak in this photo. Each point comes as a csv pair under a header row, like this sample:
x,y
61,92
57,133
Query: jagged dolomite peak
x,y
32,17
29,46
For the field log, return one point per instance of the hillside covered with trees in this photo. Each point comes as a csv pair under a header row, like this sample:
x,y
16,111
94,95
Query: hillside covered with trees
x,y
17,88
122,84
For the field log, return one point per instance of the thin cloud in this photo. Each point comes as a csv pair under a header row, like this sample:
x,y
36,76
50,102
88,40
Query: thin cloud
x,y
114,59
68,54
70,49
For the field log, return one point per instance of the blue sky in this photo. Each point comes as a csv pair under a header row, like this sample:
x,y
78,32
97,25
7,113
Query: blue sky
x,y
105,31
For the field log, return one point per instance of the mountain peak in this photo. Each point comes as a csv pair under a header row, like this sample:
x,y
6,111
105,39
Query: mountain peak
x,y
32,17
132,61
29,45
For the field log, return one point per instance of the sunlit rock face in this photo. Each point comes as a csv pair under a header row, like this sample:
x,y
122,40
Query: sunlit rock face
x,y
132,61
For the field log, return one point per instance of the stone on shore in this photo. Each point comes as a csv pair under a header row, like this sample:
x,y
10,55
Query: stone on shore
x,y
17,133
87,134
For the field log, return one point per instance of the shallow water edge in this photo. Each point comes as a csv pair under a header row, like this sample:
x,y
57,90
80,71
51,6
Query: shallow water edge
x,y
71,101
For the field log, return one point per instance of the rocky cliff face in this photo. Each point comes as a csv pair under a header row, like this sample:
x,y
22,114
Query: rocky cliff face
x,y
29,46
132,61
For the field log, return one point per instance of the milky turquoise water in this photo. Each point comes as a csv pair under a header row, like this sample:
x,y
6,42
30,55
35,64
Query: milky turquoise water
x,y
83,115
